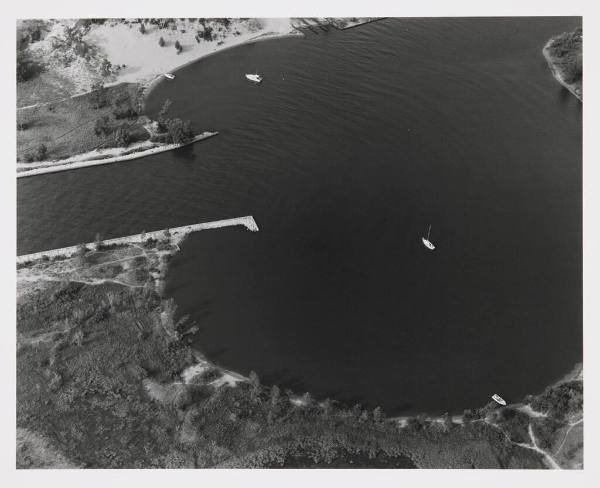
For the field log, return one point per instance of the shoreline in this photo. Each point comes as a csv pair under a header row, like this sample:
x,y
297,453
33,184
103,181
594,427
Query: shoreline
x,y
45,167
149,86
200,369
574,89
176,236
75,162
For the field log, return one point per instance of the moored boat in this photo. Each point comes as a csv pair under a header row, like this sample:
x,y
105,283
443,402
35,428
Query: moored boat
x,y
498,399
255,78
426,242
170,76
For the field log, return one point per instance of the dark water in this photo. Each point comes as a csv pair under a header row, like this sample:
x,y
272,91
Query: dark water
x,y
354,144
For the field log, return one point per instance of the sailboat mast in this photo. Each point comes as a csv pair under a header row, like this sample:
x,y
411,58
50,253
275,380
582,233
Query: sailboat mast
x,y
428,232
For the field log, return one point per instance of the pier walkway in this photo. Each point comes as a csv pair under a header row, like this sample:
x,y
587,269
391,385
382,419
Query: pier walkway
x,y
175,235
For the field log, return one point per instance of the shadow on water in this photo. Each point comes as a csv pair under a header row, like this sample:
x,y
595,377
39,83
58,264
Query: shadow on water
x,y
185,153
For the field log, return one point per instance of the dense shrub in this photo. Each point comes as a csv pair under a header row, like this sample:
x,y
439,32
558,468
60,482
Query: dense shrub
x,y
103,126
179,131
99,95
124,112
27,68
38,154
561,400
122,137
567,51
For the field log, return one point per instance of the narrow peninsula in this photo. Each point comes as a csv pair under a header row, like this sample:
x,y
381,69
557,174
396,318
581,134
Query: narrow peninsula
x,y
564,54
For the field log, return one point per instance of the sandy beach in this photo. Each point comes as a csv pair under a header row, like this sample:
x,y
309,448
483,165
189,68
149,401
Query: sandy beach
x,y
136,59
145,60
134,56
120,52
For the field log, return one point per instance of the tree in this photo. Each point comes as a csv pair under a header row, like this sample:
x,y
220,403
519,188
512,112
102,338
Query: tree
x,y
275,396
161,42
414,424
468,415
106,67
102,127
143,28
255,387
356,411
178,47
364,416
179,131
80,254
41,152
378,415
99,95
122,137
38,154
125,111
163,111
26,68
327,407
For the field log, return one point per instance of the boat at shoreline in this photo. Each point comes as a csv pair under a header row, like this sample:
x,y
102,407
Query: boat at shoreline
x,y
498,399
170,76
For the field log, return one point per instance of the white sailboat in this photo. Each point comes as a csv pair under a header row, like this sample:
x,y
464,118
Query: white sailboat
x,y
170,76
498,399
255,78
426,242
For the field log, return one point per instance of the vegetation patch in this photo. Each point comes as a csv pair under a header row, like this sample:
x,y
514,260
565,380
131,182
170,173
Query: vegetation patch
x,y
107,117
99,376
565,56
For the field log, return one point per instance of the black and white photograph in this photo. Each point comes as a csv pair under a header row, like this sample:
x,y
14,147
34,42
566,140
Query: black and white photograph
x,y
335,244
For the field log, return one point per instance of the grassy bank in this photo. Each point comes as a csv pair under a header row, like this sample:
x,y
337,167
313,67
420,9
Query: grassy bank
x,y
76,125
564,54
99,384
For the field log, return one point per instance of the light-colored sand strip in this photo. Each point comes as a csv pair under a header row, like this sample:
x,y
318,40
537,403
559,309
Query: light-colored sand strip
x,y
527,410
175,236
82,161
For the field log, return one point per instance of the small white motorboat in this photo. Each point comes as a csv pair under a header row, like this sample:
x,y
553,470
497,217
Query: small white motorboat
x,y
255,78
426,242
498,399
170,76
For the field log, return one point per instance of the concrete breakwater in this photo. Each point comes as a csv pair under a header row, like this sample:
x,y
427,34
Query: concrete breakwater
x,y
97,158
175,236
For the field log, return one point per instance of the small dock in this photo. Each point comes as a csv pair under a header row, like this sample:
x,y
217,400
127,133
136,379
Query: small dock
x,y
176,236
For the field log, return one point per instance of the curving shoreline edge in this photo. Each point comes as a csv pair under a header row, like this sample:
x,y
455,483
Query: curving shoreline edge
x,y
573,88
